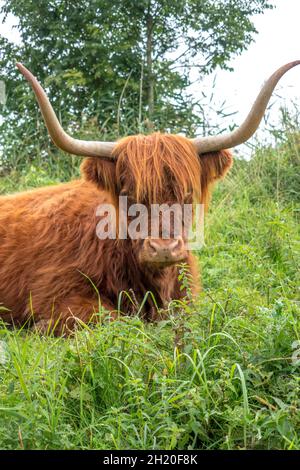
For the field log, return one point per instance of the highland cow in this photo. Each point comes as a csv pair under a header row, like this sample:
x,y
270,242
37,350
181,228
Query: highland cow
x,y
54,268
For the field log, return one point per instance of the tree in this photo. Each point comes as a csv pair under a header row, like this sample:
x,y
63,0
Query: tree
x,y
120,64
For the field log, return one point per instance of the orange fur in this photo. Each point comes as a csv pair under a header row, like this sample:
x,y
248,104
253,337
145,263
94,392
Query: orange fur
x,y
214,166
157,163
50,256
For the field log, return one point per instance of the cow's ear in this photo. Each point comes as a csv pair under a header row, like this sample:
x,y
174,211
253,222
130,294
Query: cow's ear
x,y
214,166
100,172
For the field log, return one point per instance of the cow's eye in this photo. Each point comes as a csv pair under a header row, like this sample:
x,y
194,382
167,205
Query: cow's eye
x,y
188,196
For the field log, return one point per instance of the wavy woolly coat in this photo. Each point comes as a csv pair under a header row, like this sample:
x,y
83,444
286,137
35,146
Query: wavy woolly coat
x,y
54,268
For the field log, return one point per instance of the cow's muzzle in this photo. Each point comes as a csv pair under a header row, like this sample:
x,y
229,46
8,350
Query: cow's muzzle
x,y
163,252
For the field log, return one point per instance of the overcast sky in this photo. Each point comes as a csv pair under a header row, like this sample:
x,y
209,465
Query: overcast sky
x,y
277,42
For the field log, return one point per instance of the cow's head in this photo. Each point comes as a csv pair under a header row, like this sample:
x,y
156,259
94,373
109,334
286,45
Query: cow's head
x,y
164,174
158,168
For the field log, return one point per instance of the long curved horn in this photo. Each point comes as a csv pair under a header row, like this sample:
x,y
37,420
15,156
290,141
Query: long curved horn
x,y
252,121
60,138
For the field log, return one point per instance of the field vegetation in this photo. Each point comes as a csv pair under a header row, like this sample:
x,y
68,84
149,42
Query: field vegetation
x,y
221,372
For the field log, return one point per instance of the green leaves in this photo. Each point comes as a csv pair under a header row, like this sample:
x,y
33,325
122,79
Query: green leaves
x,y
84,52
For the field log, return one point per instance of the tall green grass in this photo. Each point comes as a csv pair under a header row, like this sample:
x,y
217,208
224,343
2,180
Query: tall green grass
x,y
219,373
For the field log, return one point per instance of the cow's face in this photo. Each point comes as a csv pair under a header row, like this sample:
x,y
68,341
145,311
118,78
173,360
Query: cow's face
x,y
165,177
158,231
160,172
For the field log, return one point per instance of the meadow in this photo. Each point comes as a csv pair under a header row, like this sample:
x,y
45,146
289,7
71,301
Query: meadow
x,y
221,372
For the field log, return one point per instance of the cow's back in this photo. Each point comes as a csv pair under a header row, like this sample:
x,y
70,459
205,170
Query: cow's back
x,y
42,233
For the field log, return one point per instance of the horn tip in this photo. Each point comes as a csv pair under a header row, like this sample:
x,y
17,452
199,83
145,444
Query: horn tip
x,y
292,64
25,72
21,68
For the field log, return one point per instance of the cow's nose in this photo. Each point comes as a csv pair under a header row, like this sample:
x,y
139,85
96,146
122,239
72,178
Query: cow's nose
x,y
167,246
164,251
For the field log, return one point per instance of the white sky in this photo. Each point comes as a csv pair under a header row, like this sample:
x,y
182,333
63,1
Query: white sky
x,y
277,42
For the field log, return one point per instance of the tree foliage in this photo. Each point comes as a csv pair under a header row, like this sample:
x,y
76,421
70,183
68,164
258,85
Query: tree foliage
x,y
105,63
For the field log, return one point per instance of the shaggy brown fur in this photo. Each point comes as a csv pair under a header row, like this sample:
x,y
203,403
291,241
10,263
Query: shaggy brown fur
x,y
51,260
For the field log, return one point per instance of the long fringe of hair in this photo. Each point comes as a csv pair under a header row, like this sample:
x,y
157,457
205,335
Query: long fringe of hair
x,y
157,162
